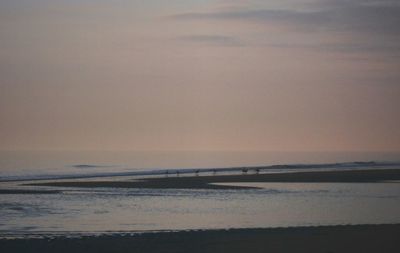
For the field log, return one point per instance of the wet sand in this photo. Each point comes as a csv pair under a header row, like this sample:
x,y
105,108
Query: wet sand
x,y
22,191
205,182
325,239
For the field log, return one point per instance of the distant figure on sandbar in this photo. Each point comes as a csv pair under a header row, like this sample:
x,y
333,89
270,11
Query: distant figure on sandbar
x,y
197,172
244,170
214,171
257,170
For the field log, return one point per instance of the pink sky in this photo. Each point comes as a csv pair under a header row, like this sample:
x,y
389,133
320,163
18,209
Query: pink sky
x,y
200,75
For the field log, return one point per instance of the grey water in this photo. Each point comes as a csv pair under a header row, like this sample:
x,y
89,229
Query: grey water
x,y
78,211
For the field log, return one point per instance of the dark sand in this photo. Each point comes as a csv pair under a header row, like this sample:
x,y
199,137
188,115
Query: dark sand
x,y
204,182
326,239
18,191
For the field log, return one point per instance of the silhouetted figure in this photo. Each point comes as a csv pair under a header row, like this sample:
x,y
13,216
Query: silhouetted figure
x,y
257,170
214,171
197,172
166,173
177,173
244,170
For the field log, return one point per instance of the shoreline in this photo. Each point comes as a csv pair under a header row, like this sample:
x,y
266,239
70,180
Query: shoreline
x,y
340,238
185,171
207,182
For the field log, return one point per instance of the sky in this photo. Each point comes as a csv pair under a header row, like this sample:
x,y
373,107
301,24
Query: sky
x,y
281,75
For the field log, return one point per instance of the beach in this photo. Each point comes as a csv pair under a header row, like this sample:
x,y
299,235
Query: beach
x,y
200,126
325,239
208,182
195,197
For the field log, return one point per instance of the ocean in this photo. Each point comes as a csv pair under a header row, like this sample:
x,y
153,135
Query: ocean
x,y
87,211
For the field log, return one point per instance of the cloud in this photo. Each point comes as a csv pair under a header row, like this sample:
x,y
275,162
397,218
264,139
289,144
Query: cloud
x,y
371,26
390,49
378,17
212,40
257,16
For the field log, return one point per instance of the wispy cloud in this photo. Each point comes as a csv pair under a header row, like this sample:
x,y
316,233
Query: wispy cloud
x,y
390,48
362,15
377,20
218,40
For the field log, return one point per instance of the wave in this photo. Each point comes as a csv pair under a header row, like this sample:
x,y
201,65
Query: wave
x,y
88,166
176,171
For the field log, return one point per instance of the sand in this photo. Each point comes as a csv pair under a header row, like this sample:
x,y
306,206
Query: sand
x,y
325,239
23,191
205,182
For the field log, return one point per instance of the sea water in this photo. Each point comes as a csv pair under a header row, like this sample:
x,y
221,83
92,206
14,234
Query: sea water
x,y
77,211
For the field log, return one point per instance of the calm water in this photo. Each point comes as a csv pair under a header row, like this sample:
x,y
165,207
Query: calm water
x,y
118,210
77,211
